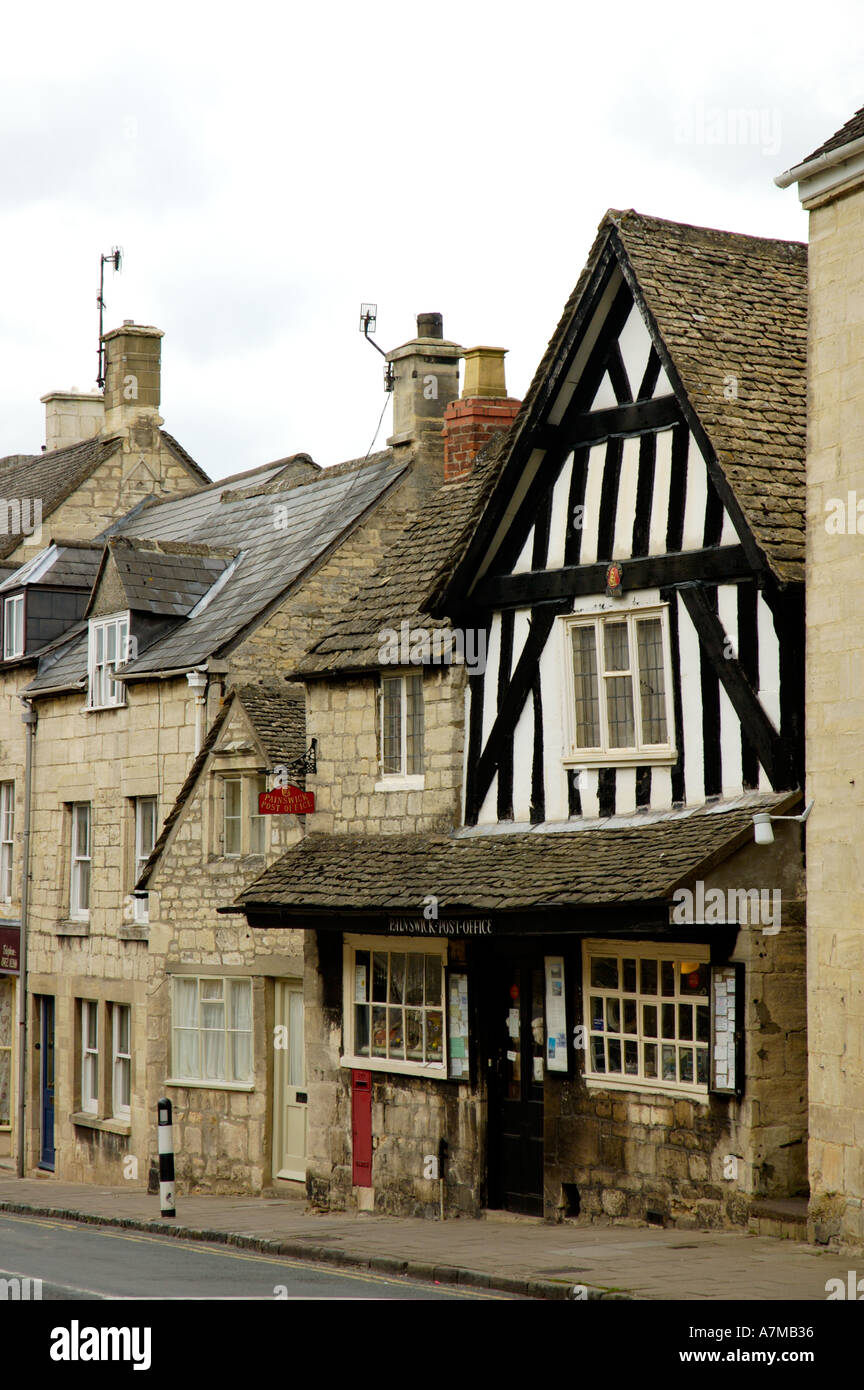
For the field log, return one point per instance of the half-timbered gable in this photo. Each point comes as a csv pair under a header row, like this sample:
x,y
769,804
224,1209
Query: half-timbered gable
x,y
663,434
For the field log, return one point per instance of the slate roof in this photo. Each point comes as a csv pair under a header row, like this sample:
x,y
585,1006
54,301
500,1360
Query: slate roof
x,y
64,565
278,718
54,475
164,576
315,509
503,872
725,305
397,591
852,130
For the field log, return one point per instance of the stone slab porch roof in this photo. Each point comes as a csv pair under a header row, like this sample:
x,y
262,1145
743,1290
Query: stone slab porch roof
x,y
504,872
278,717
726,306
852,130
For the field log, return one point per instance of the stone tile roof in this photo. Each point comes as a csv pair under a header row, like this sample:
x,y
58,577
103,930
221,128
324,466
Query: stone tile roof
x,y
64,565
852,130
315,511
503,872
726,306
278,718
398,589
164,576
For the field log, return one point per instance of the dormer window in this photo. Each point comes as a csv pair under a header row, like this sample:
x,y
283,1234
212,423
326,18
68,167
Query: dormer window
x,y
13,627
109,649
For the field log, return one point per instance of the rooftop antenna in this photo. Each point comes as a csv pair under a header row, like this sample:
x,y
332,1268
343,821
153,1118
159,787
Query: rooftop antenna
x,y
368,321
116,259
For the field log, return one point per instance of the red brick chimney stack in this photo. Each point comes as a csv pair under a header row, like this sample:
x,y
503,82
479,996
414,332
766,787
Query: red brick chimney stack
x,y
483,408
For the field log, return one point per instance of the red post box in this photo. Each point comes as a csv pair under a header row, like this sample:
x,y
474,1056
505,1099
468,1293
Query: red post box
x,y
361,1127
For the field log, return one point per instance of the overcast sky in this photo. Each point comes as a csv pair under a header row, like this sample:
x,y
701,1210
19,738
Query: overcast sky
x,y
265,169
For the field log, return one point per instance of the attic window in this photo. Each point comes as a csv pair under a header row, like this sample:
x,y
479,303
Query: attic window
x,y
13,627
109,649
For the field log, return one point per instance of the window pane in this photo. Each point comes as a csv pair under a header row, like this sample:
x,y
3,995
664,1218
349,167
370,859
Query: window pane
x,y
685,1021
668,1063
630,1016
396,1038
414,1033
361,1030
614,1045
240,998
649,1020
379,1032
434,1038
213,1044
598,1055
652,683
433,979
211,989
615,647
122,1017
667,976
613,1015
651,1059
604,972
391,724
631,1057
619,708
597,1013
703,1024
585,687
668,1020
414,724
258,825
702,1066
379,976
414,980
685,1063
397,978
628,976
695,980
648,971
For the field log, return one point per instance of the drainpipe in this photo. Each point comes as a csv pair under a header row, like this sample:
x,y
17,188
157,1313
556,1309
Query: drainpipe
x,y
30,719
198,681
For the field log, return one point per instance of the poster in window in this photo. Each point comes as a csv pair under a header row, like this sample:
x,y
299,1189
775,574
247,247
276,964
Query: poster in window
x,y
457,1026
556,1015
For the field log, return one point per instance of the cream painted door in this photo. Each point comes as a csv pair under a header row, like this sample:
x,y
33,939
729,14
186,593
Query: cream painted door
x,y
289,1079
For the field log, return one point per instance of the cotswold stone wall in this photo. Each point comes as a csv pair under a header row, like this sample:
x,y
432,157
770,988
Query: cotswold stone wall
x,y
344,717
835,716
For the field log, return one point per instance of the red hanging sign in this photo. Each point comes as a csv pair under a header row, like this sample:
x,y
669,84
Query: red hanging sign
x,y
286,801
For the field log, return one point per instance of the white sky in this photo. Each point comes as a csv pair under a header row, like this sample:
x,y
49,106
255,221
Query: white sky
x,y
267,168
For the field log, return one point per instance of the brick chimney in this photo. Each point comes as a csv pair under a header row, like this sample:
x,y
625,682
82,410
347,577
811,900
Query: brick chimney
x,y
483,409
71,417
132,380
427,379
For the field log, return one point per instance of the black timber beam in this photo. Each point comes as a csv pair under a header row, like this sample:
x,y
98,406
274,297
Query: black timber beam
x,y
592,426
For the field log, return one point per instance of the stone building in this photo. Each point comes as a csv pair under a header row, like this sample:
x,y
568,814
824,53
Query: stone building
x,y
157,628
830,185
554,939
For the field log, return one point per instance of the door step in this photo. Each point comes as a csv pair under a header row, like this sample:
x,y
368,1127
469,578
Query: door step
x,y
509,1218
783,1217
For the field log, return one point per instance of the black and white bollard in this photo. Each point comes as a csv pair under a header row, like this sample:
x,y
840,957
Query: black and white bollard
x,y
165,1134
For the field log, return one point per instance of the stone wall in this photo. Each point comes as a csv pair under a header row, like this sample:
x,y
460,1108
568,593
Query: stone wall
x,y
835,716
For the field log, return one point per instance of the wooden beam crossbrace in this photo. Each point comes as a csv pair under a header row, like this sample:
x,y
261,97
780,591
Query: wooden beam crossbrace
x,y
593,426
770,747
481,772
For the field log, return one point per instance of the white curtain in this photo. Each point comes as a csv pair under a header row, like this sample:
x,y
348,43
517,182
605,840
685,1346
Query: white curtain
x,y
240,1023
186,1028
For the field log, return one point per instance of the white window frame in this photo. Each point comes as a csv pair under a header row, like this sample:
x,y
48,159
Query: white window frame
x,y
251,783
13,607
102,691
403,779
7,839
659,952
429,946
79,876
227,983
121,1063
90,1056
140,906
641,754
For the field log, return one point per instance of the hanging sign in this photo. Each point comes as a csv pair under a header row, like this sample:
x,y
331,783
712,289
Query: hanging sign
x,y
286,801
10,939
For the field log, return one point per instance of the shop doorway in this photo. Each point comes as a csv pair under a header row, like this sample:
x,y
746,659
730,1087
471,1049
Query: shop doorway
x,y
516,1020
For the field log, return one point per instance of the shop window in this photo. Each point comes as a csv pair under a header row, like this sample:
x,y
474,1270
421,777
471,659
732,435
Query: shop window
x,y
394,1006
212,1030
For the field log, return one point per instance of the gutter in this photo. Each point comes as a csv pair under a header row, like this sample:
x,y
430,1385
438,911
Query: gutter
x,y
829,160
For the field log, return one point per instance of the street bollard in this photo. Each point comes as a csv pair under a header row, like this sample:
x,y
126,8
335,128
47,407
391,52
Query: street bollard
x,y
165,1134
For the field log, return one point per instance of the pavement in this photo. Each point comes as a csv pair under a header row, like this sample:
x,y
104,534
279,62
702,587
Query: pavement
x,y
517,1255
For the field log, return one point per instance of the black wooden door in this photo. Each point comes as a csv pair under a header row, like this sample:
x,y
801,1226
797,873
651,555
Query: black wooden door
x,y
517,1034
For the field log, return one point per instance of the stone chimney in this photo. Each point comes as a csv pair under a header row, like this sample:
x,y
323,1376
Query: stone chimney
x,y
427,379
483,409
71,417
132,379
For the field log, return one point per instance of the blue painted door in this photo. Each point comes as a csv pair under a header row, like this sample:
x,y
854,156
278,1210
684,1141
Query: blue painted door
x,y
46,1053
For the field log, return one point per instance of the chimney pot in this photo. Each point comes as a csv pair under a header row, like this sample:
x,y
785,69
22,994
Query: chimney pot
x,y
430,325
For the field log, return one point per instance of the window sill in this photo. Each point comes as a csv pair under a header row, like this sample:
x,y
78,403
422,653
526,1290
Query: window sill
x,y
650,1088
137,931
414,783
621,758
88,1121
101,709
73,926
212,1085
436,1071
